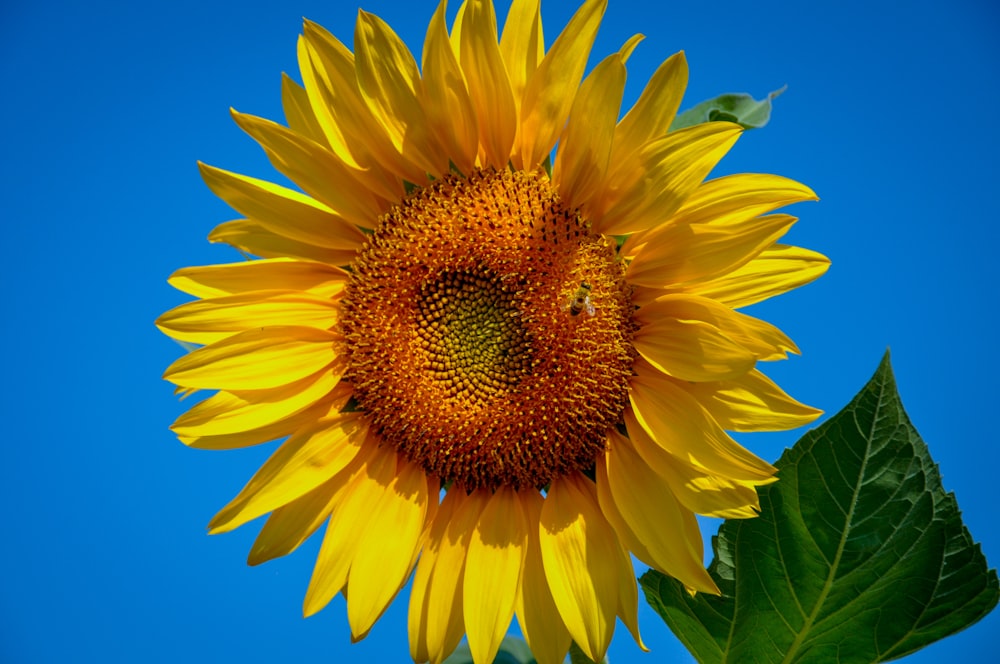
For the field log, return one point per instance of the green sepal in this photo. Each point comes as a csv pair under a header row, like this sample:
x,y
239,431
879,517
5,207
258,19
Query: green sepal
x,y
740,108
547,165
577,656
513,650
186,345
859,555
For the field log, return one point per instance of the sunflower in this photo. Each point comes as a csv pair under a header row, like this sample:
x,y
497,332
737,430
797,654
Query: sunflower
x,y
500,372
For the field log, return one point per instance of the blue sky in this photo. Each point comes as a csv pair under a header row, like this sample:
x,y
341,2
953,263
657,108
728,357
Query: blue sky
x,y
889,116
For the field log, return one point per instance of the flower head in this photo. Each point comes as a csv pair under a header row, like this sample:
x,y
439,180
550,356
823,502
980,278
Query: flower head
x,y
501,376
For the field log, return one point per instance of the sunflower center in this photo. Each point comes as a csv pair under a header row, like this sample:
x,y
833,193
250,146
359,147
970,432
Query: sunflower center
x,y
489,331
474,345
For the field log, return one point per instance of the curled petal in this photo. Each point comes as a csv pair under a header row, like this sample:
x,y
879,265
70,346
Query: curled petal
x,y
692,350
763,340
668,531
697,490
752,402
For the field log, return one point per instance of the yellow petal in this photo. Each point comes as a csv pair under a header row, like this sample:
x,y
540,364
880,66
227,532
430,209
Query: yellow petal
x,y
522,45
678,253
650,117
283,210
537,614
727,203
549,92
734,198
721,215
628,596
303,462
679,424
364,487
231,278
327,68
585,146
256,240
298,111
352,133
628,538
290,525
697,490
579,550
762,339
183,392
493,572
277,429
387,549
691,350
445,97
456,30
420,600
214,319
319,172
647,504
610,511
752,402
776,270
669,170
235,412
256,359
489,87
438,610
390,82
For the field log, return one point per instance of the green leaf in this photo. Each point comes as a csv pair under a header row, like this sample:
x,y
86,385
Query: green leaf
x,y
859,555
513,650
742,109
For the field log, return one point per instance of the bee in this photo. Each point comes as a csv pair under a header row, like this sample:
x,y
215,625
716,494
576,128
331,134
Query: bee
x,y
580,301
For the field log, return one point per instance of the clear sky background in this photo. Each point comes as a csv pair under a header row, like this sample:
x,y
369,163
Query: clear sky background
x,y
890,115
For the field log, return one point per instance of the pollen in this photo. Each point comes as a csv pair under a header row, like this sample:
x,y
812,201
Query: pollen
x,y
489,331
